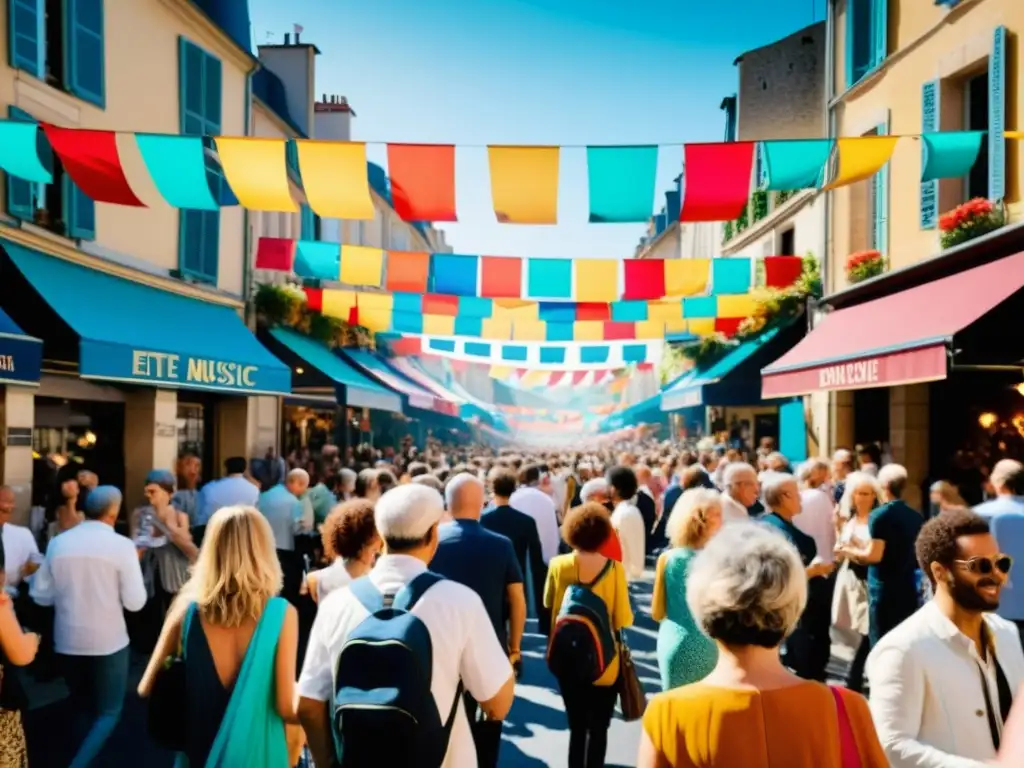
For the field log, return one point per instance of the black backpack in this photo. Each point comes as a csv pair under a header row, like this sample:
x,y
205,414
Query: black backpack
x,y
384,711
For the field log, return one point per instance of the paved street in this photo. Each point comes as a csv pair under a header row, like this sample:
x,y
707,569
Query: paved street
x,y
535,734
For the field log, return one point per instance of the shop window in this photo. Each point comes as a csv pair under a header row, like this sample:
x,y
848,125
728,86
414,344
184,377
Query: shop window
x,y
191,429
61,42
787,242
200,96
867,32
976,118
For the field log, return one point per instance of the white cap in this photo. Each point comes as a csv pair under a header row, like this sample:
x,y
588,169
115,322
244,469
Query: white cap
x,y
408,511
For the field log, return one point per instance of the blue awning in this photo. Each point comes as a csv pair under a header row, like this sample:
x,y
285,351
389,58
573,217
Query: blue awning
x,y
373,366
355,389
130,332
21,355
646,411
690,391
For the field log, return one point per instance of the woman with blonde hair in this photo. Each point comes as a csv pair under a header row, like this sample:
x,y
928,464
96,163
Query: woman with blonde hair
x,y
945,496
238,641
747,590
685,654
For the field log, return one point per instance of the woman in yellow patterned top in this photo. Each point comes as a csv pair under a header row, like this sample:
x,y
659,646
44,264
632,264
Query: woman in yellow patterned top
x,y
746,590
589,707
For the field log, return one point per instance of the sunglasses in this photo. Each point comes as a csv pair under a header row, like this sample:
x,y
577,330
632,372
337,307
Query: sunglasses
x,y
984,566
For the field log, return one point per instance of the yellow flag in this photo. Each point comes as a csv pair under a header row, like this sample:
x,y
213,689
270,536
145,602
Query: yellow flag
x,y
362,266
524,184
334,178
597,280
861,158
257,173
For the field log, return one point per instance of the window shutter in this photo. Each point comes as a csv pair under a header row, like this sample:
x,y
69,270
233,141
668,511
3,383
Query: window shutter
x,y
881,202
84,67
997,117
80,211
24,47
860,38
879,32
212,90
762,168
21,194
929,124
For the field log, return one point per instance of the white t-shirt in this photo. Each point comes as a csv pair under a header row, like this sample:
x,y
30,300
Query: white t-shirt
x,y
538,505
465,646
732,510
629,524
815,519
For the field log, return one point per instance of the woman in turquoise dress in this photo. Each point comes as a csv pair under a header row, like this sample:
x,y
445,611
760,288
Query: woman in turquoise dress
x,y
685,654
238,642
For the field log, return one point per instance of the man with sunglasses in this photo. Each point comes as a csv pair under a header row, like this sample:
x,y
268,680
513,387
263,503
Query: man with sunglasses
x,y
942,682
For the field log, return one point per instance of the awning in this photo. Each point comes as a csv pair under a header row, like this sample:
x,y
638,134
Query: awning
x,y
898,339
21,355
646,411
135,333
701,386
417,396
356,390
450,402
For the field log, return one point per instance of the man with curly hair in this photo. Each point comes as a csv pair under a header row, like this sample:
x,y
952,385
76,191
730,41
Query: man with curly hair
x,y
942,682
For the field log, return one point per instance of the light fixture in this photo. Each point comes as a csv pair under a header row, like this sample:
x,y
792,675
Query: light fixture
x,y
1020,389
987,419
299,371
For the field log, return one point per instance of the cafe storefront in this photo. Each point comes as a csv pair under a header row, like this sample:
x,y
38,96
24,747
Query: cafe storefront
x,y
925,363
20,362
133,374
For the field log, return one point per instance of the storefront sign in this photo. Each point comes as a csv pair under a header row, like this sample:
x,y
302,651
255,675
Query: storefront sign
x,y
20,360
166,430
122,363
908,367
18,436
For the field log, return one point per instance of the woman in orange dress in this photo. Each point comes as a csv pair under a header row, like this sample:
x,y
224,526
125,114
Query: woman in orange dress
x,y
746,590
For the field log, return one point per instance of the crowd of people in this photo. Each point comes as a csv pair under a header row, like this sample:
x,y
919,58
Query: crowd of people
x,y
368,608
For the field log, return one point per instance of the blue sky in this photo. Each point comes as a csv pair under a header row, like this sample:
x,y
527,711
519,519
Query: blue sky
x,y
566,72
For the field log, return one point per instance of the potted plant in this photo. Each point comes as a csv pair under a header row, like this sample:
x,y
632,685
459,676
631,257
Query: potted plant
x,y
972,219
864,265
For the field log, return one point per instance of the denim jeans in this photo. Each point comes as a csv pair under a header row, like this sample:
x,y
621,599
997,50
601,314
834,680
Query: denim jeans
x,y
97,687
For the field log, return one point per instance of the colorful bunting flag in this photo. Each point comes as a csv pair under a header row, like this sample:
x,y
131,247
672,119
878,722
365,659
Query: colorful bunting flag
x,y
782,271
92,161
257,173
19,152
549,278
423,181
408,271
796,164
318,261
644,279
686,277
334,178
861,158
597,279
501,277
524,184
275,253
621,183
717,180
362,266
454,274
178,167
950,154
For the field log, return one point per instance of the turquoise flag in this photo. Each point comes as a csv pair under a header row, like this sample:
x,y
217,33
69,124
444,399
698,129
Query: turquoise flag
x,y
621,183
795,164
950,154
178,167
315,260
549,278
19,152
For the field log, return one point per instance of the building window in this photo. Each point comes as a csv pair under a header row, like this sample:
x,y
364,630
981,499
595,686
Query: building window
x,y
866,37
60,207
976,113
200,93
61,42
787,242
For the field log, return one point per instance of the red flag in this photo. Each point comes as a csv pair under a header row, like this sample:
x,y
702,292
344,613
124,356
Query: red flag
x,y
275,253
717,180
423,181
91,159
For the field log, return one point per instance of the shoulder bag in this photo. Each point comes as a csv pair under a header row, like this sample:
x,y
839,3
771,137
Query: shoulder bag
x,y
632,698
166,707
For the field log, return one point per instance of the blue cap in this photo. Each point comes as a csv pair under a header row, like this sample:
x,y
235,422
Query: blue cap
x,y
100,499
161,477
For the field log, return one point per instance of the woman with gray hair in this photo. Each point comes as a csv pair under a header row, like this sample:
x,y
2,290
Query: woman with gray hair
x,y
747,590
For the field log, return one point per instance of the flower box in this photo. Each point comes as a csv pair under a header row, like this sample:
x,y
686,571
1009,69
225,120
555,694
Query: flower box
x,y
864,265
973,219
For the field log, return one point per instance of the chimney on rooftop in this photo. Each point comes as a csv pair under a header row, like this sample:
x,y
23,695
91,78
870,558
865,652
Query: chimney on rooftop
x,y
296,38
287,38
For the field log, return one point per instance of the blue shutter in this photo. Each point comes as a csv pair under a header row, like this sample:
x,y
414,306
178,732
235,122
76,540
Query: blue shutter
x,y
24,48
762,168
929,124
84,52
997,117
881,201
879,32
79,211
21,194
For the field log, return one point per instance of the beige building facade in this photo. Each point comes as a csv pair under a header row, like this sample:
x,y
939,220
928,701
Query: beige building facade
x,y
158,274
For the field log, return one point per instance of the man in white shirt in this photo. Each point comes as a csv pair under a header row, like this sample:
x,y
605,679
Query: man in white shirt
x,y
465,647
20,551
91,575
233,490
942,681
532,501
627,520
816,510
740,491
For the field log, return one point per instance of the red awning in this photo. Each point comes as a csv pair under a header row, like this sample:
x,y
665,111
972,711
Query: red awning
x,y
897,339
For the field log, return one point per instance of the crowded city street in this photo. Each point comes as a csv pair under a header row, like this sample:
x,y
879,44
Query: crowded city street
x,y
519,384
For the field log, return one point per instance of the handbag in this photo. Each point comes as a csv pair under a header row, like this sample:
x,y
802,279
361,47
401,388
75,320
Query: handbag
x,y
632,699
848,752
166,707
